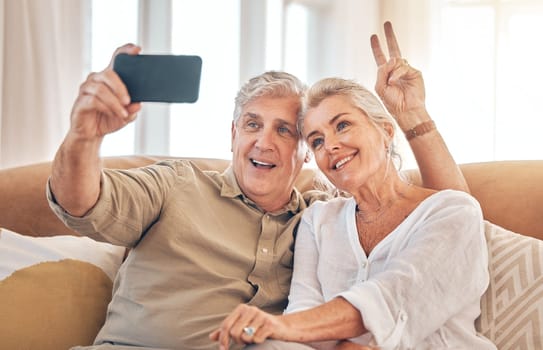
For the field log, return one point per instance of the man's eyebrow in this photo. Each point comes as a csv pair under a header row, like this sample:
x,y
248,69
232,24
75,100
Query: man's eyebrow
x,y
283,122
330,122
251,115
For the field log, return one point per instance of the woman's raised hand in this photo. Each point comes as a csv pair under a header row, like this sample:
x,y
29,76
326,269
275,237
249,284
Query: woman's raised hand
x,y
400,86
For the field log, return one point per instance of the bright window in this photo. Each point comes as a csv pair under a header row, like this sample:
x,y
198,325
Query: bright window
x,y
486,78
104,40
482,82
203,129
210,29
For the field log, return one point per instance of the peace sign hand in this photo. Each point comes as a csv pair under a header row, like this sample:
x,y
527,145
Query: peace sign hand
x,y
400,86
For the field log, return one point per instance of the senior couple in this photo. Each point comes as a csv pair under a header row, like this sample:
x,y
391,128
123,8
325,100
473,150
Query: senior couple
x,y
390,265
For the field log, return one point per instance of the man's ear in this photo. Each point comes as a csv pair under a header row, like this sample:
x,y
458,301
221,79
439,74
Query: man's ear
x,y
233,135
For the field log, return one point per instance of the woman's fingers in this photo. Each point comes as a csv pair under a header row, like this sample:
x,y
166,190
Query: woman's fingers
x,y
378,53
245,325
235,326
392,43
399,71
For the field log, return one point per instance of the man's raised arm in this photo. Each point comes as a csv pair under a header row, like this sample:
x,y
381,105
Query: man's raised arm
x,y
102,107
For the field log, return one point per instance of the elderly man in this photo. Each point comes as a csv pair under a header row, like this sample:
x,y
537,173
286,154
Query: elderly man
x,y
201,241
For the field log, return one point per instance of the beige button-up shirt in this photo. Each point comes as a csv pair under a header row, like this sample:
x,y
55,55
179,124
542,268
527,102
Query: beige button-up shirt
x,y
199,248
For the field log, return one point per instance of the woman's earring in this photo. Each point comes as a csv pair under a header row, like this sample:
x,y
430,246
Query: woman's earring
x,y
388,150
307,156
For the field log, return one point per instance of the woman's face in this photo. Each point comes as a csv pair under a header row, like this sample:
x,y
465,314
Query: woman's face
x,y
349,149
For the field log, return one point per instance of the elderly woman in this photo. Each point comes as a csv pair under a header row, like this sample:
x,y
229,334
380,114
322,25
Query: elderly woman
x,y
410,261
388,265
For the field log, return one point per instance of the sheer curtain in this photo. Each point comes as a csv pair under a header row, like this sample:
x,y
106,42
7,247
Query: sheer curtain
x,y
42,60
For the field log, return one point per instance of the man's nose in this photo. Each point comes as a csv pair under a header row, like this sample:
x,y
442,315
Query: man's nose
x,y
265,139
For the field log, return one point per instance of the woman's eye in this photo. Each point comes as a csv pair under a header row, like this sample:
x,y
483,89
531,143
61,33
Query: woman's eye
x,y
341,126
316,143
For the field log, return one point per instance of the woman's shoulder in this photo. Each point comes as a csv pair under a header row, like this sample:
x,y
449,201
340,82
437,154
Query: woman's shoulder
x,y
452,197
450,203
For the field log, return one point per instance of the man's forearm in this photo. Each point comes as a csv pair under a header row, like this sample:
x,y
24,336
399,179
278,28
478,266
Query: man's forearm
x,y
75,177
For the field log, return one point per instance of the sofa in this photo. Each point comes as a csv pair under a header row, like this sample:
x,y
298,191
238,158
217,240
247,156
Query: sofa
x,y
55,286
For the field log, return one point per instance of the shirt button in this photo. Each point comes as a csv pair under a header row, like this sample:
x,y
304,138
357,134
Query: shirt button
x,y
364,264
265,250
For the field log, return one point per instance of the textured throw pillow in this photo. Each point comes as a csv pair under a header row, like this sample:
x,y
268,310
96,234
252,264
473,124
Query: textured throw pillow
x,y
512,307
54,291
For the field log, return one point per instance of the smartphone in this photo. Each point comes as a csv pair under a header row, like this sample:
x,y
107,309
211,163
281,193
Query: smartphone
x,y
160,78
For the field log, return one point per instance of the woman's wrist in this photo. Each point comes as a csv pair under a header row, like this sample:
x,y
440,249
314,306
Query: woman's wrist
x,y
410,119
420,129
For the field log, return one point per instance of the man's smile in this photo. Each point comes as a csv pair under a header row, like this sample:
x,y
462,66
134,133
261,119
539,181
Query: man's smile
x,y
260,164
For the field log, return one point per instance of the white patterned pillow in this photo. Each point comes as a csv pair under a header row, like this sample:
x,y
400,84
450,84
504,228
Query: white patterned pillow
x,y
512,307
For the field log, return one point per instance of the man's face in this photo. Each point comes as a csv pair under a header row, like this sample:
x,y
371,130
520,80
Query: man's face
x,y
267,151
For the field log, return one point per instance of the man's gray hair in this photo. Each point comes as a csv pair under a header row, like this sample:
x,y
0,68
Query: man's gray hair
x,y
269,84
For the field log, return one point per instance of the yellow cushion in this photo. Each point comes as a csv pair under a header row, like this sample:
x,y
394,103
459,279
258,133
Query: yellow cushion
x,y
53,305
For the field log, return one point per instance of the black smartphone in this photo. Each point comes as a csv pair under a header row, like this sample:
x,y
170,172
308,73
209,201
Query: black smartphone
x,y
160,78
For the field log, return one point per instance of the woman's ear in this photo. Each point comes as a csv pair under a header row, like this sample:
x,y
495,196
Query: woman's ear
x,y
388,134
389,129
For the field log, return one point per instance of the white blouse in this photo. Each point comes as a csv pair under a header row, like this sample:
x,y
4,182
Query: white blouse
x,y
420,287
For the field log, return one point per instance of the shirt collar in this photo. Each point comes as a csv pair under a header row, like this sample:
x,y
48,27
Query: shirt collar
x,y
231,189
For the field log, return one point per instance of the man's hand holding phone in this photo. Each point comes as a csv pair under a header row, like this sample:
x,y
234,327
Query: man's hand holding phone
x,y
103,105
108,100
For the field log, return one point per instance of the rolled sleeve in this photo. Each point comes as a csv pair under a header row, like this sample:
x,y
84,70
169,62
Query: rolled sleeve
x,y
386,328
130,201
88,224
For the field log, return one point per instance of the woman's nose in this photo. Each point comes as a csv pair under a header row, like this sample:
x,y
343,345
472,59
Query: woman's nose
x,y
331,143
